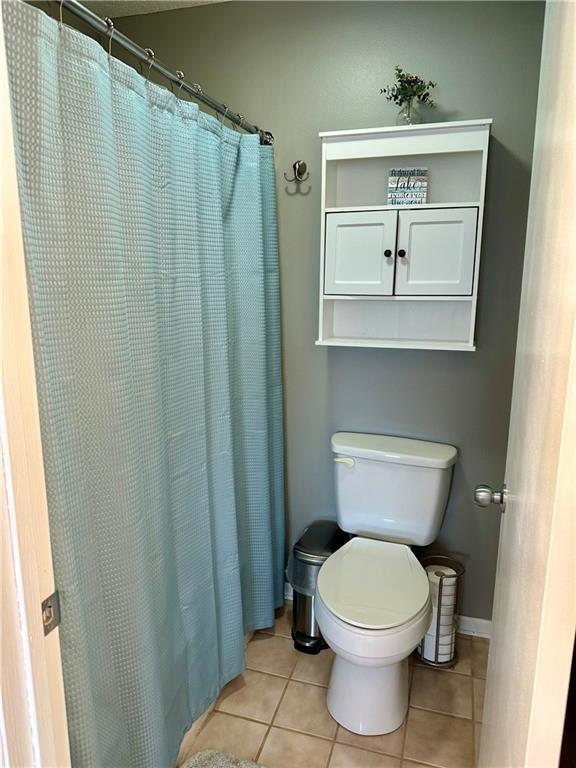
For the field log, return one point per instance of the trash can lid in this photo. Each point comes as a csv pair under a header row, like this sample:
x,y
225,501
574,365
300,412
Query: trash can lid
x,y
320,540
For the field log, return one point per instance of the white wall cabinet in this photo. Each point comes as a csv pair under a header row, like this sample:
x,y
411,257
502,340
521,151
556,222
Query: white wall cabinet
x,y
360,249
402,276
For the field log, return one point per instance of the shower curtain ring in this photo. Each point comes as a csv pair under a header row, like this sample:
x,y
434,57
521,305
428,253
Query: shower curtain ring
x,y
180,76
241,119
60,23
110,24
151,56
233,124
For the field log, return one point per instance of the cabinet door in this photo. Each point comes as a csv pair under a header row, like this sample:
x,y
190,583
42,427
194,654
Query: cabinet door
x,y
360,253
435,252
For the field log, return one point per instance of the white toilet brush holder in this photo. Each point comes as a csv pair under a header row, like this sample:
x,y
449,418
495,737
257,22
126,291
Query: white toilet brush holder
x,y
438,646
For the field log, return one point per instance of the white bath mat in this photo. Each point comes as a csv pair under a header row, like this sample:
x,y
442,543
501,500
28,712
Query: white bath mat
x,y
212,759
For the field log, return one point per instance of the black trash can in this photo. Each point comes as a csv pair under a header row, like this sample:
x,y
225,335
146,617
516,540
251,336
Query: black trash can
x,y
312,549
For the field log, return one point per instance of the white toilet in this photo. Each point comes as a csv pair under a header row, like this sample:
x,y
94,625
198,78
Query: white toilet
x,y
372,598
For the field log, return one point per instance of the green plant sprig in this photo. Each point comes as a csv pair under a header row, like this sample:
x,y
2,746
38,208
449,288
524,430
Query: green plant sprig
x,y
409,87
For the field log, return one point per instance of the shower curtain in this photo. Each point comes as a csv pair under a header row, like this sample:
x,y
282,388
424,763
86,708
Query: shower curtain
x,y
150,240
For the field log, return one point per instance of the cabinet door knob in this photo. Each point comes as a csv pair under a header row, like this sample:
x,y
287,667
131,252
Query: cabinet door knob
x,y
387,253
402,253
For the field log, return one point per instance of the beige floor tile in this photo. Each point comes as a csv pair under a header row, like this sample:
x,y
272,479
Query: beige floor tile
x,y
440,740
283,749
283,624
352,757
271,653
314,668
479,687
252,694
241,738
390,743
480,648
442,692
464,650
303,708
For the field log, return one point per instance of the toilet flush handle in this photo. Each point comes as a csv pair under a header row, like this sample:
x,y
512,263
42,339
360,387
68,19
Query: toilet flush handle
x,y
344,460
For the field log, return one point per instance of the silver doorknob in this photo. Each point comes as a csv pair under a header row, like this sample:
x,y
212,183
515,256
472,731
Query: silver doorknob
x,y
484,495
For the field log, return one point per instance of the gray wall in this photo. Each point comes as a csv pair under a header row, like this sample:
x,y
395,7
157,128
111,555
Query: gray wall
x,y
298,68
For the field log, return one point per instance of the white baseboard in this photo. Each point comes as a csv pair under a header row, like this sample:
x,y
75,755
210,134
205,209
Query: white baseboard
x,y
467,625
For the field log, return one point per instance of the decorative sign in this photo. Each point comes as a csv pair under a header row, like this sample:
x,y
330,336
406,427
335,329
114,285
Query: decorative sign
x,y
407,186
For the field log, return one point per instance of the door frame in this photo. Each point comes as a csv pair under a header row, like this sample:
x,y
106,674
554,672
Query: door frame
x,y
33,728
534,620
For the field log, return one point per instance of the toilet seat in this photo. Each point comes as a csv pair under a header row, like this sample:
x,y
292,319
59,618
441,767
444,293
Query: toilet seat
x,y
374,585
373,607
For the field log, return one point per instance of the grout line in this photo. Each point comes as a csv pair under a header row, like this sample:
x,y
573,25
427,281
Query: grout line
x,y
411,672
270,674
287,728
289,677
291,729
368,748
242,717
271,633
331,752
280,700
422,762
309,682
440,712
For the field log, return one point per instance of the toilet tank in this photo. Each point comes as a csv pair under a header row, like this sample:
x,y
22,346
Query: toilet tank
x,y
391,488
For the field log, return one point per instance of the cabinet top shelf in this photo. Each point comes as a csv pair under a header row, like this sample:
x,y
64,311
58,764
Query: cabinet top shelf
x,y
384,207
453,125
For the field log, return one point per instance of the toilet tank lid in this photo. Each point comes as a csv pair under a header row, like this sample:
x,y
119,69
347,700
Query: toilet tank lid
x,y
397,450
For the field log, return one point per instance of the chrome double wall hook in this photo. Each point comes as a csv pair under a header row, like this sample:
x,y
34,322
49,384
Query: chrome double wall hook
x,y
300,172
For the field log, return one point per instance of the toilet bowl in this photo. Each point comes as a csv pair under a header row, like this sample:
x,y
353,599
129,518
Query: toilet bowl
x,y
373,607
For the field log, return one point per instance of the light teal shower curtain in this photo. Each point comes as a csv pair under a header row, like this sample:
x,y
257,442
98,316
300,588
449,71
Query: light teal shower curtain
x,y
150,240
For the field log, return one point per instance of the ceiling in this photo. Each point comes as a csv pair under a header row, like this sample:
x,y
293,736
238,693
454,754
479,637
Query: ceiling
x,y
116,8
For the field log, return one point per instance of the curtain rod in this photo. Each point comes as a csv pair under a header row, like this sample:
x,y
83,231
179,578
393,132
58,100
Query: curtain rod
x,y
146,55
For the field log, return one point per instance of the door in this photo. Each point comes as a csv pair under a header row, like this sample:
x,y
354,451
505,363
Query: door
x,y
435,255
534,618
360,253
33,729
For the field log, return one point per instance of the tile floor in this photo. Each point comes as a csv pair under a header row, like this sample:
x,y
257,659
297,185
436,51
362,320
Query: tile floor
x,y
275,712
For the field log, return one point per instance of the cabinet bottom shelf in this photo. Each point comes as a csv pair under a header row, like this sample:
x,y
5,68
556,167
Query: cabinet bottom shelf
x,y
454,346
